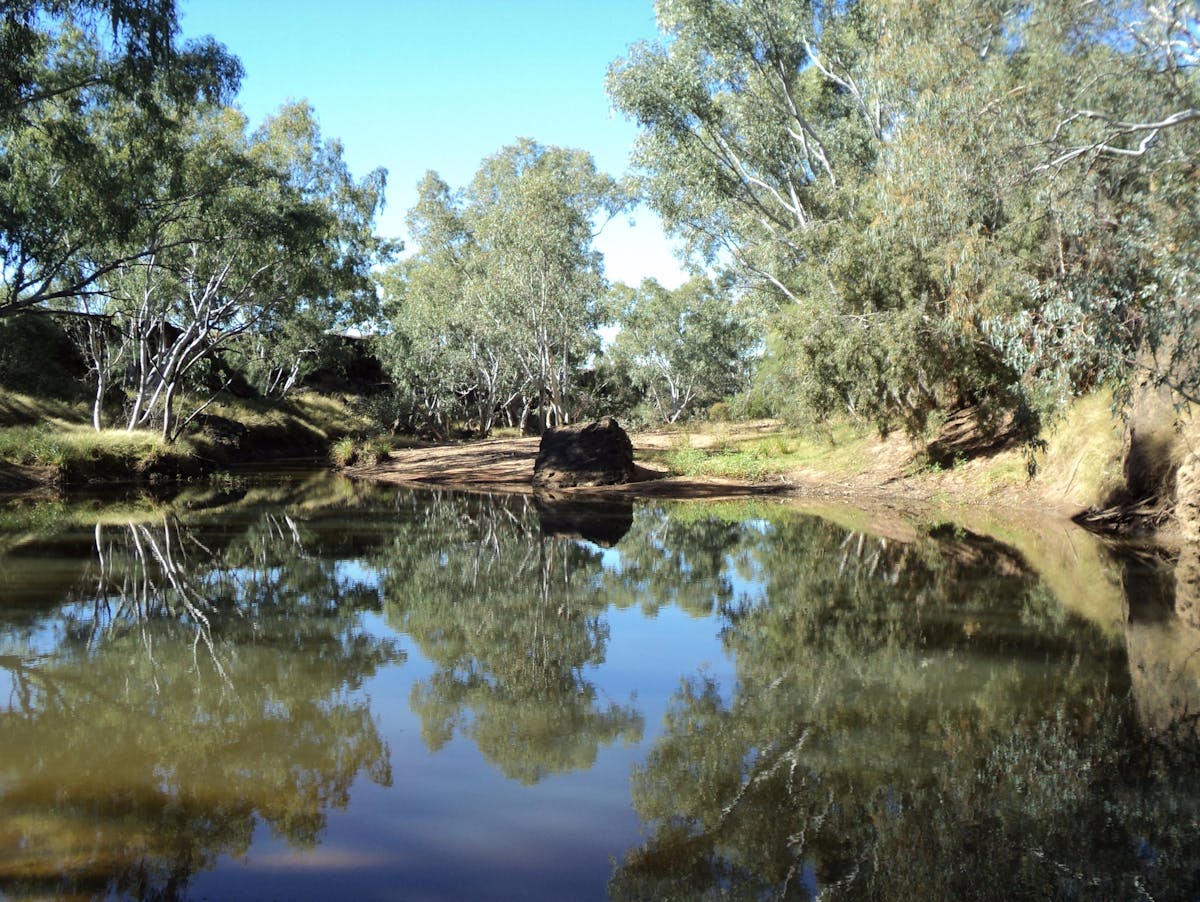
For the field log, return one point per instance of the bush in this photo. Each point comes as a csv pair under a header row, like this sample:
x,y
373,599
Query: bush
x,y
344,452
720,412
376,449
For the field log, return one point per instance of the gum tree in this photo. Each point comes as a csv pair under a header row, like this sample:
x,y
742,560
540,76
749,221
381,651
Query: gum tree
x,y
683,348
75,180
275,228
501,296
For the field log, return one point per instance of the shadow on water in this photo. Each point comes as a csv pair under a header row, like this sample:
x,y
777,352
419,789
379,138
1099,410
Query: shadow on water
x,y
916,710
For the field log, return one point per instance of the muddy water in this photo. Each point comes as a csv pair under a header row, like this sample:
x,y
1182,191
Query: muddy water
x,y
299,687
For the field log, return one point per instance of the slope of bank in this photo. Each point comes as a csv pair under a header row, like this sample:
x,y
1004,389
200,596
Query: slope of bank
x,y
48,442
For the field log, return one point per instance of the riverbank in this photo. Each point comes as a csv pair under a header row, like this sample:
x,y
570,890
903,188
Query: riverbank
x,y
1080,471
47,444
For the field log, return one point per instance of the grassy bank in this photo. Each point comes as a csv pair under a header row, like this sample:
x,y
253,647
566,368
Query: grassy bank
x,y
45,441
1077,464
762,451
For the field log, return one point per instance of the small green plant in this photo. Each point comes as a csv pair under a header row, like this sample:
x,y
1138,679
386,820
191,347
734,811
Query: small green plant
x,y
376,449
344,452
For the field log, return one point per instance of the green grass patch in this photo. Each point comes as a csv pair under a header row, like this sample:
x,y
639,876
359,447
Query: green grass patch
x,y
347,450
77,454
736,451
54,437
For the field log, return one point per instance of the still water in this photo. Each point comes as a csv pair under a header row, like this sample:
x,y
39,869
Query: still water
x,y
301,687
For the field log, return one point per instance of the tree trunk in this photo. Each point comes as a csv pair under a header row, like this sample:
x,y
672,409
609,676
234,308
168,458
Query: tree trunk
x,y
168,402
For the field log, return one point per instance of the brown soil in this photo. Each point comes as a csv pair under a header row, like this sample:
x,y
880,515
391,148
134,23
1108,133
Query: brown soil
x,y
506,465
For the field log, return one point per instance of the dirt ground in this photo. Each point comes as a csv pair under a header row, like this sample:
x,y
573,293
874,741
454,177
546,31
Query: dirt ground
x,y
506,465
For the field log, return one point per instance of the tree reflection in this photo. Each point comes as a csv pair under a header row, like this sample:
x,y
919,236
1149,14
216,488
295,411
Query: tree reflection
x,y
512,621
679,556
192,687
890,736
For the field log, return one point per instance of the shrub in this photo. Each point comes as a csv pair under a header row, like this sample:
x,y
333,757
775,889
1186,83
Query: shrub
x,y
344,452
376,449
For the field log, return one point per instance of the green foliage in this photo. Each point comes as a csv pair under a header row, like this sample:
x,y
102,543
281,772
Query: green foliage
x,y
263,247
681,349
347,450
133,198
344,452
498,305
91,97
79,455
972,203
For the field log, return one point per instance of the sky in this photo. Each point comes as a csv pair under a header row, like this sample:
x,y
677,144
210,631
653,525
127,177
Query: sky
x,y
414,85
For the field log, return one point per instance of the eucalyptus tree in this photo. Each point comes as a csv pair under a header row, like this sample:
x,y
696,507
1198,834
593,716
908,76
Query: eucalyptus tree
x,y
275,228
449,348
759,135
1116,158
754,126
980,202
534,211
76,181
504,285
682,348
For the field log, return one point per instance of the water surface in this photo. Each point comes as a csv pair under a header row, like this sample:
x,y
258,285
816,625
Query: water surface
x,y
303,687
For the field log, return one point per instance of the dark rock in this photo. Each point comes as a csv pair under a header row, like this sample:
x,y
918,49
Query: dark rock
x,y
598,453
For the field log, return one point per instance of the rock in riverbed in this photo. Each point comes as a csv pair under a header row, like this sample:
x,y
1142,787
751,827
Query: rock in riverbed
x,y
598,453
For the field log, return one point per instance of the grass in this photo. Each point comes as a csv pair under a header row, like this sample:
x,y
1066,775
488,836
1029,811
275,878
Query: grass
x,y
74,453
347,450
55,439
1080,462
743,452
305,420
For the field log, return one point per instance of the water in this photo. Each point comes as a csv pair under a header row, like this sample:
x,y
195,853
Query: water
x,y
300,687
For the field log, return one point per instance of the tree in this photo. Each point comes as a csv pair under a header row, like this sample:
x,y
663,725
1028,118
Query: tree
x,y
982,203
449,347
750,134
504,285
683,348
76,180
274,232
534,212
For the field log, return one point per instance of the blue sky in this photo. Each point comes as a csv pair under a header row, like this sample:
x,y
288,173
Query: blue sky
x,y
413,85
